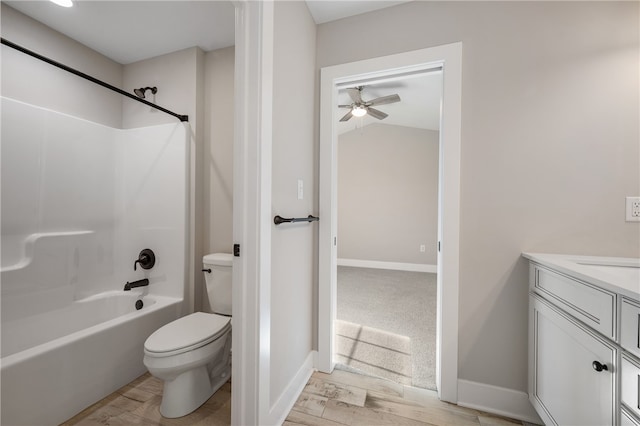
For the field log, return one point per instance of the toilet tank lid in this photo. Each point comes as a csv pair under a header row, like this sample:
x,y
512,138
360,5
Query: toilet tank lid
x,y
220,259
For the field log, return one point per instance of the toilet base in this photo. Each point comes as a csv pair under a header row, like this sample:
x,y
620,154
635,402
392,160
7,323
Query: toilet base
x,y
187,392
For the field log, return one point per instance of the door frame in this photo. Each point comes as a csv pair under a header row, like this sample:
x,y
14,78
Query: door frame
x,y
449,58
251,304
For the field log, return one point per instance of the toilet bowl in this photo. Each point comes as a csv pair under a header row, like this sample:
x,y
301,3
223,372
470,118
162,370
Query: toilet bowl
x,y
192,354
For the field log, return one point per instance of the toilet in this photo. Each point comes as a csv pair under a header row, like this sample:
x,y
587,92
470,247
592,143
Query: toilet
x,y
192,354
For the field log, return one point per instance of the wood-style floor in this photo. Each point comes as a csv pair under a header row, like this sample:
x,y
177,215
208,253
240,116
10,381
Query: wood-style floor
x,y
344,398
138,403
341,398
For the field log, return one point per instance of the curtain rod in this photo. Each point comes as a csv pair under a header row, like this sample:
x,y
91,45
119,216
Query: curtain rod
x,y
90,78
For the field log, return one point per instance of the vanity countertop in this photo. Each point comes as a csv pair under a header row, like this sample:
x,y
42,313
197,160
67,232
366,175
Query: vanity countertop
x,y
618,274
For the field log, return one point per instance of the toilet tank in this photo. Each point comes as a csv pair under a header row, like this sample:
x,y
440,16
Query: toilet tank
x,y
218,282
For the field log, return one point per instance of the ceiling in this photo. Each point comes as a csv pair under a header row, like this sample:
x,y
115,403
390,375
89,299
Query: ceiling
x,y
419,105
331,10
130,31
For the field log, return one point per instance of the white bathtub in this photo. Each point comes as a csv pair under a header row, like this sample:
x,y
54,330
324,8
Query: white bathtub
x,y
55,366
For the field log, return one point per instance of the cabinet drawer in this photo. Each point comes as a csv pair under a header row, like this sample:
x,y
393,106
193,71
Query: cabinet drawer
x,y
630,326
591,305
630,382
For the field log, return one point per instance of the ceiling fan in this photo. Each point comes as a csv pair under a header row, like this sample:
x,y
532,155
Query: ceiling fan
x,y
359,107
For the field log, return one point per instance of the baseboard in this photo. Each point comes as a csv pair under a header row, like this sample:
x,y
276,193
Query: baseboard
x,y
497,400
396,266
280,410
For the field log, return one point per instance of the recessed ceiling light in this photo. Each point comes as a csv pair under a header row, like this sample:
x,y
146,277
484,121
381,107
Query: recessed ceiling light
x,y
63,3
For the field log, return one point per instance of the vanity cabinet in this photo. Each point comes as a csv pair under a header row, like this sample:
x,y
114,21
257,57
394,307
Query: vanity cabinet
x,y
566,388
584,347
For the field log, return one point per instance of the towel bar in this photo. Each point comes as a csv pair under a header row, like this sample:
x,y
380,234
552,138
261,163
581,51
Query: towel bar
x,y
279,219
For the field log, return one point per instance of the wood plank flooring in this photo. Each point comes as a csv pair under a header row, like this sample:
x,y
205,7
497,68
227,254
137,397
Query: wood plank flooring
x,y
341,398
344,398
138,403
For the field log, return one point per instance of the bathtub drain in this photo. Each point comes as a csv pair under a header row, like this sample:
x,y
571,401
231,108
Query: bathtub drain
x,y
139,304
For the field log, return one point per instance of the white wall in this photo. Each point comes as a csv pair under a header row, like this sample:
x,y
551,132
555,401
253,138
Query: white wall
x,y
152,204
179,77
218,156
388,194
37,83
294,156
30,80
549,145
175,76
58,209
79,202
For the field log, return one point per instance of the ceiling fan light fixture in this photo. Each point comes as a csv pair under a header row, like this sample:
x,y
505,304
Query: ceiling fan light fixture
x,y
359,111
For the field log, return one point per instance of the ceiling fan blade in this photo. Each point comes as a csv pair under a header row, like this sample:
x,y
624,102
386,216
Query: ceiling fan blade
x,y
345,106
376,113
384,100
354,93
347,116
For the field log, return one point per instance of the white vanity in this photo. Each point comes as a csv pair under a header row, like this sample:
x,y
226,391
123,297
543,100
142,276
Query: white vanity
x,y
584,339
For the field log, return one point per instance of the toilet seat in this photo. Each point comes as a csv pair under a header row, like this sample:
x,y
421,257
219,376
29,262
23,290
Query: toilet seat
x,y
186,334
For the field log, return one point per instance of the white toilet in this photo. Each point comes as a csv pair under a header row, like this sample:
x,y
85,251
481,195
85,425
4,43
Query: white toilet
x,y
193,354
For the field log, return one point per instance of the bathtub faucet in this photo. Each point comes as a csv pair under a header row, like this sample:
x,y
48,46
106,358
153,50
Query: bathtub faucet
x,y
140,283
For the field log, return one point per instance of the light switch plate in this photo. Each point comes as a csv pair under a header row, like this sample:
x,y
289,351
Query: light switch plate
x,y
300,189
633,209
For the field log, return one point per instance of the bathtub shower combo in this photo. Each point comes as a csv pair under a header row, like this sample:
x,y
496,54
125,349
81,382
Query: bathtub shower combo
x,y
80,204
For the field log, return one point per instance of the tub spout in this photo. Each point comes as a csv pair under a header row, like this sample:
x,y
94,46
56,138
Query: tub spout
x,y
140,283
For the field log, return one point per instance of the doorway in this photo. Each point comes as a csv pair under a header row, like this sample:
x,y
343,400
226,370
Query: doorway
x,y
387,228
448,58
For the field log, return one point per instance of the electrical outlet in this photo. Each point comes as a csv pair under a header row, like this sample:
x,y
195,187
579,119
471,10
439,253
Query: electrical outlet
x,y
423,248
633,209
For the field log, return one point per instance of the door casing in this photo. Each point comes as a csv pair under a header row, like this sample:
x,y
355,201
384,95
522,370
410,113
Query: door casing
x,y
449,58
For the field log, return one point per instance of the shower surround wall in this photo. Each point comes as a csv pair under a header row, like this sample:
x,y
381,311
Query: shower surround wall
x,y
189,82
79,202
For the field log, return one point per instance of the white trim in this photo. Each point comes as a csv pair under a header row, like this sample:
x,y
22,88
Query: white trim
x,y
280,410
497,400
394,266
264,148
449,57
251,211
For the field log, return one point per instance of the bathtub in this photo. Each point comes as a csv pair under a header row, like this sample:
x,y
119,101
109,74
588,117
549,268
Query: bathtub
x,y
52,369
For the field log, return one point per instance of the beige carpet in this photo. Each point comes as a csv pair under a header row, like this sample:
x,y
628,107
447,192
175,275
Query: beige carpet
x,y
399,302
372,351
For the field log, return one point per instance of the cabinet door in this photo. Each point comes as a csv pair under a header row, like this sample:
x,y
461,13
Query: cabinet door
x,y
566,388
630,384
627,419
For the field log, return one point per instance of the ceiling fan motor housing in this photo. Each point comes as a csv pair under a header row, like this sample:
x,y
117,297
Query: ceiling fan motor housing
x,y
360,108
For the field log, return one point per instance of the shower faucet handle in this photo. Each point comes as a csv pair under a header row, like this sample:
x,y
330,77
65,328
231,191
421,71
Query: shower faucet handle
x,y
146,259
